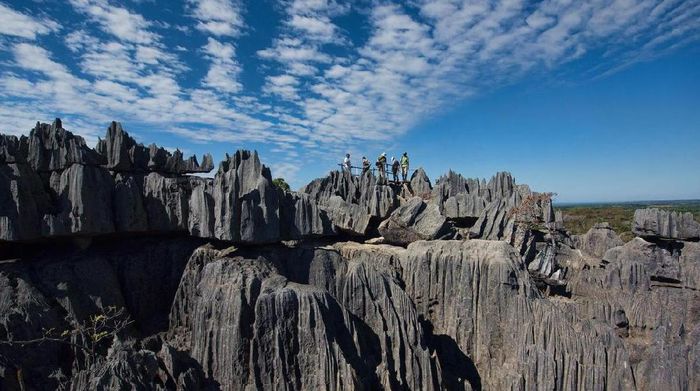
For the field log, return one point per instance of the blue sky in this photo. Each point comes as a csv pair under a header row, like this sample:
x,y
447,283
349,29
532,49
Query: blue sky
x,y
595,100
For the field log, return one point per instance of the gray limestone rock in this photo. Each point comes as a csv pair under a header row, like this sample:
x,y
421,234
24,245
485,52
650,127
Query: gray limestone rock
x,y
463,205
129,211
478,294
415,220
420,183
627,290
493,221
251,327
599,239
83,203
52,148
302,218
166,203
659,223
122,153
347,217
201,208
246,204
23,202
13,149
363,198
364,280
128,366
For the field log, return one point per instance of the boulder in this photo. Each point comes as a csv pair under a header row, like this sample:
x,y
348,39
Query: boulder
x,y
493,221
347,217
652,222
463,205
415,220
598,240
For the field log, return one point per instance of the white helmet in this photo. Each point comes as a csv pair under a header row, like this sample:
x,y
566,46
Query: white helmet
x,y
383,153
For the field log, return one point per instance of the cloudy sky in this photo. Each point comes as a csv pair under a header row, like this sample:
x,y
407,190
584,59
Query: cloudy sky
x,y
596,100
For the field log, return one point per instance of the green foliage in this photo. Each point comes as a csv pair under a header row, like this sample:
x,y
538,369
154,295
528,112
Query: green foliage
x,y
580,218
281,183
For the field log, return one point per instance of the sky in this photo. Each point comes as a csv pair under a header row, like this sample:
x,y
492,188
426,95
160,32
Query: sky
x,y
594,100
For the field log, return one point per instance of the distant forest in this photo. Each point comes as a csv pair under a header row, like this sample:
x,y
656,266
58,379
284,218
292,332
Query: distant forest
x,y
578,218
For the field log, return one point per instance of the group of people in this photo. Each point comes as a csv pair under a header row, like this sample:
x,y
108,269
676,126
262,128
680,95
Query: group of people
x,y
381,164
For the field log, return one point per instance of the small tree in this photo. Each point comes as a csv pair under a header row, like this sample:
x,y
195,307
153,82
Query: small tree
x,y
281,183
90,337
530,212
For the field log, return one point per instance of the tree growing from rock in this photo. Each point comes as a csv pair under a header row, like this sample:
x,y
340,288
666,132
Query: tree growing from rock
x,y
281,183
530,212
89,339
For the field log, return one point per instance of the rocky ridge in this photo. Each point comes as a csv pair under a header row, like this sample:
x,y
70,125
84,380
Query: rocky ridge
x,y
234,284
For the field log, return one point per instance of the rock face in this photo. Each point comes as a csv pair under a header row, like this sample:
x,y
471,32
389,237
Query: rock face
x,y
627,289
598,240
264,331
352,202
664,224
414,221
246,207
58,287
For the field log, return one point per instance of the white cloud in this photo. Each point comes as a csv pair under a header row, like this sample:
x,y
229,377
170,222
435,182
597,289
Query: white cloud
x,y
319,91
313,26
118,21
218,17
18,24
224,70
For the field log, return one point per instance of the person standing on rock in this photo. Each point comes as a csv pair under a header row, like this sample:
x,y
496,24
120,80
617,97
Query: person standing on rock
x,y
347,164
395,169
365,165
381,164
404,166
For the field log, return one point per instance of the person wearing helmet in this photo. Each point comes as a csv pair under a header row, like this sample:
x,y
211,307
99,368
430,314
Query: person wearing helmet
x,y
395,169
404,166
381,164
365,165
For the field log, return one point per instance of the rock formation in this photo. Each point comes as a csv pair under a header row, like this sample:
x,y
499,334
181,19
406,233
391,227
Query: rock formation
x,y
598,240
231,283
122,153
414,221
664,224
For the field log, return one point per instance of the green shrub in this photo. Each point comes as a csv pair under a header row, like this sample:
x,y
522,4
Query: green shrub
x,y
281,183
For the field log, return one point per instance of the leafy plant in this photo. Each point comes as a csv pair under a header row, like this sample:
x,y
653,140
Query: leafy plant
x,y
91,337
281,183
